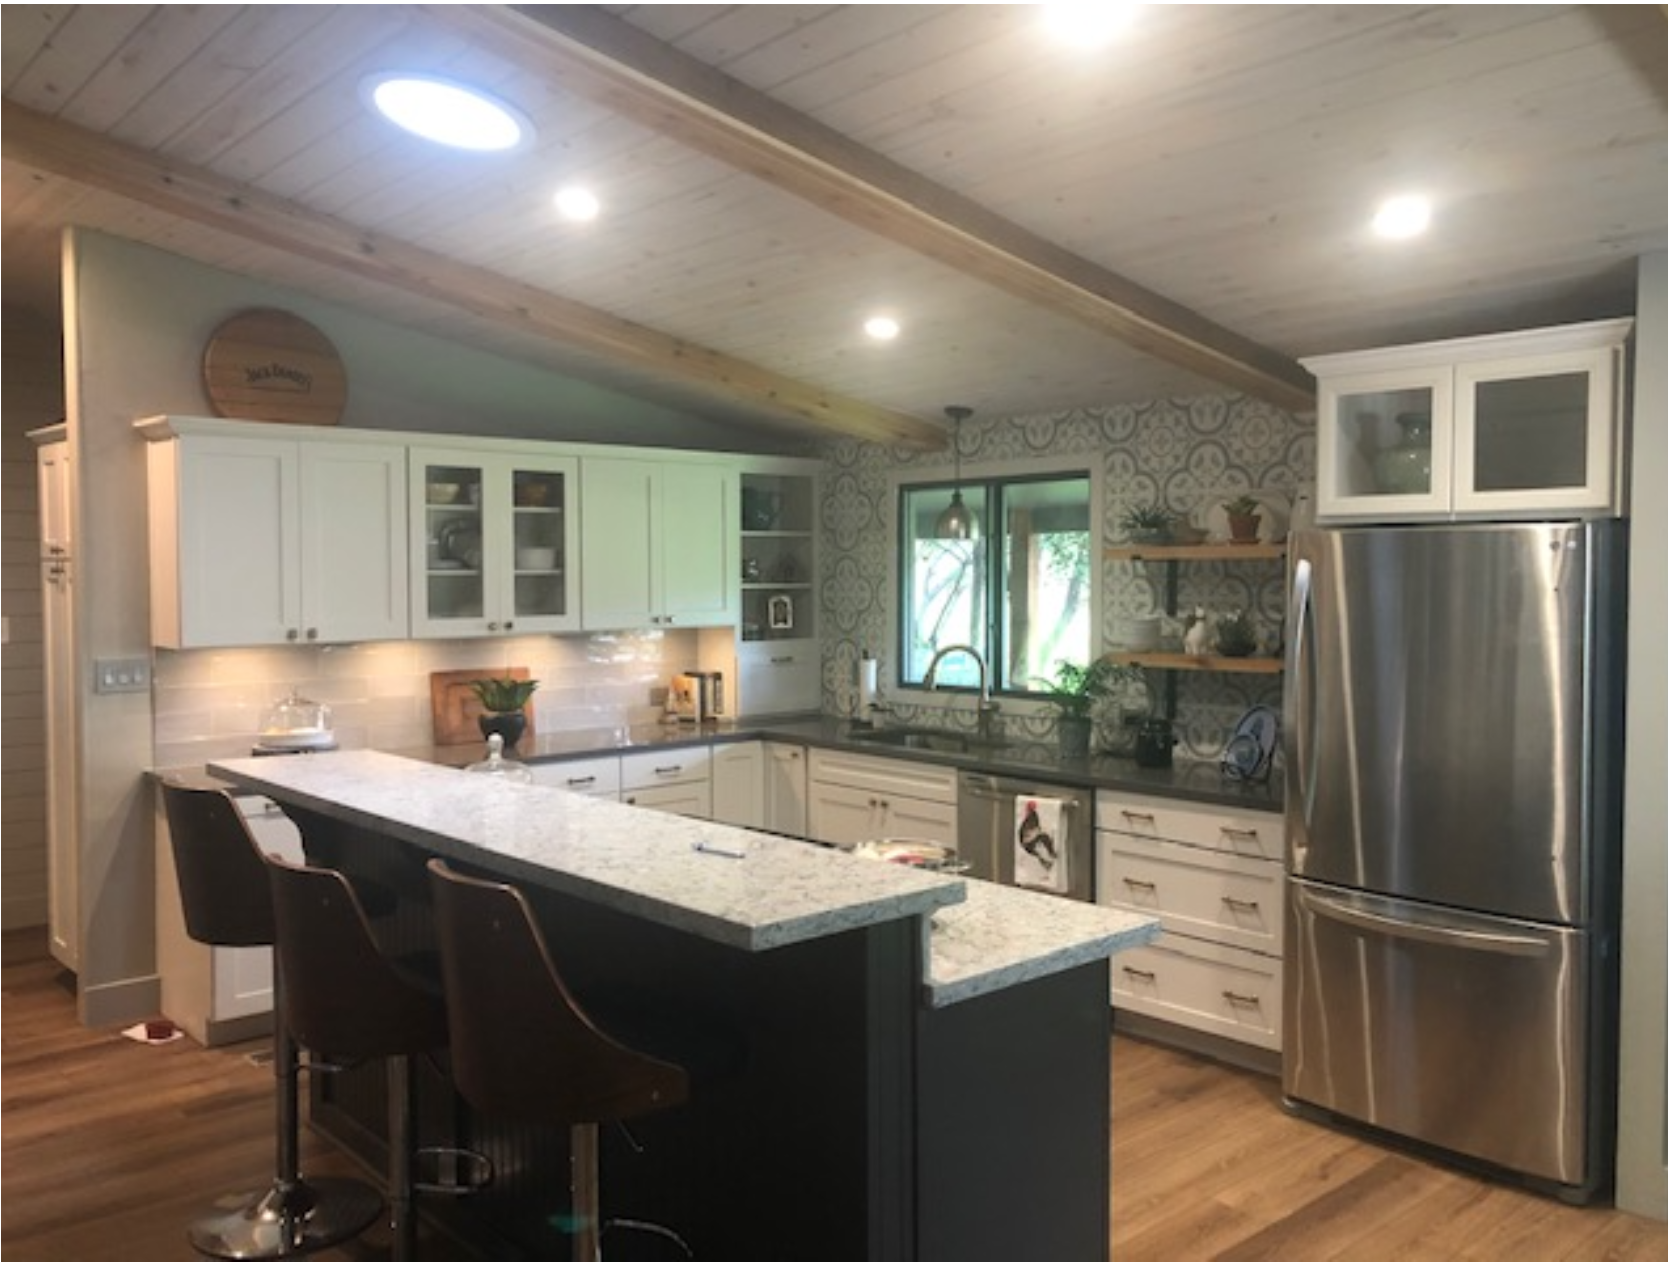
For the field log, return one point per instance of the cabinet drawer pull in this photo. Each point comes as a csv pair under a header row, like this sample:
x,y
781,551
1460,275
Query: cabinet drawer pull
x,y
668,771
1242,905
1240,1000
1236,834
782,662
1139,815
582,780
1143,975
1135,883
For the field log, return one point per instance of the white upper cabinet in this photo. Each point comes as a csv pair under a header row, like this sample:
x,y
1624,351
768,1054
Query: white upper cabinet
x,y
259,536
1510,425
658,543
493,539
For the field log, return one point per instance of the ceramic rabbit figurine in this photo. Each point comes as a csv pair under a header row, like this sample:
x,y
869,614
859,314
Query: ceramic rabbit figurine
x,y
1196,639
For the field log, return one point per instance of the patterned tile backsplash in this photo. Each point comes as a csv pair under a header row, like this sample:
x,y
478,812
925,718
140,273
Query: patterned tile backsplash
x,y
1187,455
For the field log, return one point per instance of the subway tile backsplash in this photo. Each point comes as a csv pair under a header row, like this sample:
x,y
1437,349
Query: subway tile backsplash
x,y
208,703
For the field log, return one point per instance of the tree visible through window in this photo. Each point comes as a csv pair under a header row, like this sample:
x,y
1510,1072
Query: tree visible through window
x,y
1019,593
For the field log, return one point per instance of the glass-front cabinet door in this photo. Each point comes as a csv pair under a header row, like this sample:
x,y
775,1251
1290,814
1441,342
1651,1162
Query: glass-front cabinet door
x,y
1381,445
493,542
1535,436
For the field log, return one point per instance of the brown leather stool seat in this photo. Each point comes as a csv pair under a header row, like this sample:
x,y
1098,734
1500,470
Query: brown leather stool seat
x,y
346,999
226,898
523,1047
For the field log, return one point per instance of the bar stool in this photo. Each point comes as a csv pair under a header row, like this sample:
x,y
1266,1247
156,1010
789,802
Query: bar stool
x,y
523,1047
226,898
346,999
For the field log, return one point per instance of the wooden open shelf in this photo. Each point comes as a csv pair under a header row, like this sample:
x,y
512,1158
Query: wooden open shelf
x,y
1196,552
1202,662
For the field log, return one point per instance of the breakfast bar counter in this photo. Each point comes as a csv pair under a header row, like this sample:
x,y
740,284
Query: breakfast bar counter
x,y
925,1057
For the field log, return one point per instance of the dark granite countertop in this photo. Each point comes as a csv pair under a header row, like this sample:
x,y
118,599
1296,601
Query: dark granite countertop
x,y
1192,780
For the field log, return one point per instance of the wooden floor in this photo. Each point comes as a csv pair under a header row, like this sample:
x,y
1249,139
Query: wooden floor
x,y
110,1147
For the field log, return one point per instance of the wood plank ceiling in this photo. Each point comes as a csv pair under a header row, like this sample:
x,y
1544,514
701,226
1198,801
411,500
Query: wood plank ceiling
x,y
1180,213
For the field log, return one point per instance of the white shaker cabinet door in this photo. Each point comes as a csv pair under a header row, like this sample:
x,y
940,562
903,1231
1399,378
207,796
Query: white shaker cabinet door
x,y
354,576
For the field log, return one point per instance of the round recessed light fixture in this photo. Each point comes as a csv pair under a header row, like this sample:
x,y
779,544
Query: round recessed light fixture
x,y
577,204
1088,23
1401,217
448,113
881,328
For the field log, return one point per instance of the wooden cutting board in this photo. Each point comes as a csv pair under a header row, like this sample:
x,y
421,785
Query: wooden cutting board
x,y
264,364
456,707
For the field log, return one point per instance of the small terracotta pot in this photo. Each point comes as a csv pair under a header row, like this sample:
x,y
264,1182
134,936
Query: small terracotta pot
x,y
1242,527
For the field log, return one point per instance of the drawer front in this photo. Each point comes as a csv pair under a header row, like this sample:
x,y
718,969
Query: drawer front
x,y
677,766
681,800
1257,834
1223,990
599,777
779,676
883,776
1194,891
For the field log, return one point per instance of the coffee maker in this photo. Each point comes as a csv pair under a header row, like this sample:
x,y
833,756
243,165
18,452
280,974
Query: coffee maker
x,y
698,696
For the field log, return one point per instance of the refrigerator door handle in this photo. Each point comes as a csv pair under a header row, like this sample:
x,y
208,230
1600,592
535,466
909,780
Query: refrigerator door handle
x,y
1303,691
1395,927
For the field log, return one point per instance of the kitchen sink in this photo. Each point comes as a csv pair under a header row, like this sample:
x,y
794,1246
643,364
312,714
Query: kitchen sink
x,y
936,739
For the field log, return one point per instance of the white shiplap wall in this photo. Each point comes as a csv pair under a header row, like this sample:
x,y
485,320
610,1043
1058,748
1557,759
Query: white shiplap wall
x,y
31,371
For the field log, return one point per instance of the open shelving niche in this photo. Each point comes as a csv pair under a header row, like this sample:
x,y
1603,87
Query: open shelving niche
x,y
1169,663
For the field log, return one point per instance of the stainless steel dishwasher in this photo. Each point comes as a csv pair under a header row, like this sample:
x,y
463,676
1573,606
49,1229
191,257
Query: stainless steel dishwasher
x,y
995,826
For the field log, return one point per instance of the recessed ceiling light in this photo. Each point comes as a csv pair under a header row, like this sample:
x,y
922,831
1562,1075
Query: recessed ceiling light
x,y
1088,23
881,328
447,113
577,204
1401,217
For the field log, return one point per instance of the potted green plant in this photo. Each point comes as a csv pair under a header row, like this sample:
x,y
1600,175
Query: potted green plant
x,y
1236,635
1243,519
505,702
1148,524
1074,690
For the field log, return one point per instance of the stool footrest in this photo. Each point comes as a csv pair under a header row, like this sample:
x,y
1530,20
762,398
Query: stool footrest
x,y
450,1172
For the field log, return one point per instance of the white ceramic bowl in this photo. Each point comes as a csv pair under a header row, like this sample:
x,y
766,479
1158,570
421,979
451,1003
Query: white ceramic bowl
x,y
443,492
1139,635
535,559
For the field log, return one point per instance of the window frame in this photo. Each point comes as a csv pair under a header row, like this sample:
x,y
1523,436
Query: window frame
x,y
989,475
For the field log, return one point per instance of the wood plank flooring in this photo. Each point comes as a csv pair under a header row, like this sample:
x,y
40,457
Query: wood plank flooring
x,y
110,1147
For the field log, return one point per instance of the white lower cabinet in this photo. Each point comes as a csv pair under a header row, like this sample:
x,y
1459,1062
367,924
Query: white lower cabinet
x,y
1215,878
678,780
785,788
738,784
854,798
216,995
595,777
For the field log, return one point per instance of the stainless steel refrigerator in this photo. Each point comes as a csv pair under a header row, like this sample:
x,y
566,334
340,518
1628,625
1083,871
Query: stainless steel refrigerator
x,y
1452,738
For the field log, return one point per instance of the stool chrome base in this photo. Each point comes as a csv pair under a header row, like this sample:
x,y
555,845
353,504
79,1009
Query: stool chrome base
x,y
289,1220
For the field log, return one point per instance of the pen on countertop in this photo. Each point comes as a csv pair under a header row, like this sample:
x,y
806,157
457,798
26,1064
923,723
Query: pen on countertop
x,y
708,848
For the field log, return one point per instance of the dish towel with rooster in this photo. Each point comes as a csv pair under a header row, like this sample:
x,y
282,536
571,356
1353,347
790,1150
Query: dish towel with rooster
x,y
1040,844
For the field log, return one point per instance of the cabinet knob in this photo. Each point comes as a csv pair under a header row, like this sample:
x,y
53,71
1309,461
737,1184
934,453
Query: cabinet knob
x,y
290,633
509,624
492,626
312,633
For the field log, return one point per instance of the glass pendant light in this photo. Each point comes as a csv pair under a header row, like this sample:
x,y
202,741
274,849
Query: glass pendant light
x,y
957,520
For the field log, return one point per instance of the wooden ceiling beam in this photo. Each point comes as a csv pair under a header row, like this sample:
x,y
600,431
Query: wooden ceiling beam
x,y
48,144
602,58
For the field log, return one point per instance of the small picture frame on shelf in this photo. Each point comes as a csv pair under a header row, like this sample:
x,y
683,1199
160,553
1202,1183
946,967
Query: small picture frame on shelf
x,y
780,613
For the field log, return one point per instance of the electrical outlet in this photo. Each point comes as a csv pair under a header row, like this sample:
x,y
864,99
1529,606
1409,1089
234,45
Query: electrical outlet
x,y
121,675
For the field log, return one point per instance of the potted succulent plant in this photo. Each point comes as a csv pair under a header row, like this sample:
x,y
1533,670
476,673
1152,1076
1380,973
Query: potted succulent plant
x,y
1074,690
505,702
1236,635
1243,519
1148,524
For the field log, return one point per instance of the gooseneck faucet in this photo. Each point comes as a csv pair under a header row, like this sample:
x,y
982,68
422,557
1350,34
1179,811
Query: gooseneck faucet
x,y
987,708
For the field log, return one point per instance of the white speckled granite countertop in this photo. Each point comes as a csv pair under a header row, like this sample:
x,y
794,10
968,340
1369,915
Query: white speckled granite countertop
x,y
983,937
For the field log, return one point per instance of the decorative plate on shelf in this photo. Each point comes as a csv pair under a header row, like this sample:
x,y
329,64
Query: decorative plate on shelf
x,y
1249,754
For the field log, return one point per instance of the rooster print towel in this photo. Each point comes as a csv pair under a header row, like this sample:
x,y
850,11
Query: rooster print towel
x,y
1040,844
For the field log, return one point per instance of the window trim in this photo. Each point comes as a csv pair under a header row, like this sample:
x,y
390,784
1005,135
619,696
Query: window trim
x,y
954,696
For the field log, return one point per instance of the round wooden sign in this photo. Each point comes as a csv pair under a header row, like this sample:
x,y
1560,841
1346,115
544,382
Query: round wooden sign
x,y
269,365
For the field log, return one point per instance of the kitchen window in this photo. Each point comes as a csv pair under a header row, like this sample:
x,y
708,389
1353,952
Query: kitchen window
x,y
1021,591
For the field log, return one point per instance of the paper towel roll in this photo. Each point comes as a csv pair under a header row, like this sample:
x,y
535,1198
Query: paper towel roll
x,y
868,683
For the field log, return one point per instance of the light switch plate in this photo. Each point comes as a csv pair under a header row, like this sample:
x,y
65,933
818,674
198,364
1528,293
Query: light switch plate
x,y
121,675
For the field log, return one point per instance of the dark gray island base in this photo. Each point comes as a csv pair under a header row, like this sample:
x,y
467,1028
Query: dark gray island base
x,y
884,1096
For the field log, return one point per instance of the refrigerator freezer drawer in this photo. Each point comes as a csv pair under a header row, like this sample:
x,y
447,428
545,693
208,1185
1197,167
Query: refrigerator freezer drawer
x,y
1467,1032
1204,986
